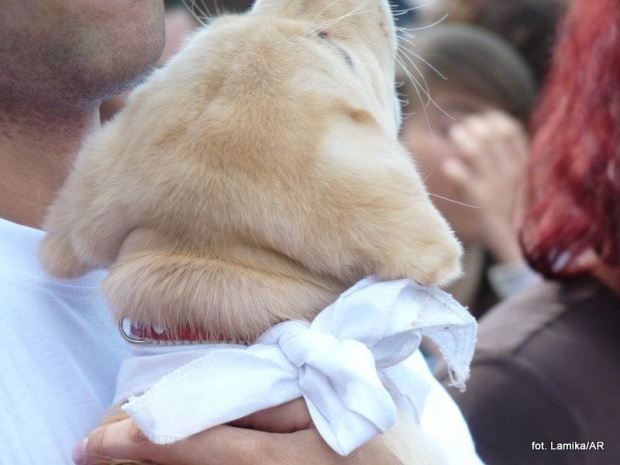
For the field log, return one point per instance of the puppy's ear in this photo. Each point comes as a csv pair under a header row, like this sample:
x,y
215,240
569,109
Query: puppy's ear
x,y
87,223
376,217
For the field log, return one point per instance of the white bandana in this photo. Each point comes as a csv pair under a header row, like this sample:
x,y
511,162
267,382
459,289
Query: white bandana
x,y
347,365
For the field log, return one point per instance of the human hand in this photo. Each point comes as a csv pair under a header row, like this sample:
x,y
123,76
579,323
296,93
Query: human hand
x,y
285,418
223,445
493,148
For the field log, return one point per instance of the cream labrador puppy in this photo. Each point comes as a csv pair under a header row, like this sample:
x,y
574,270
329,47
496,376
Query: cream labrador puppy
x,y
254,178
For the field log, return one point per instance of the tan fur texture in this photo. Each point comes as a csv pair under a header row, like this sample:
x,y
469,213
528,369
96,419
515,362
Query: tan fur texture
x,y
254,178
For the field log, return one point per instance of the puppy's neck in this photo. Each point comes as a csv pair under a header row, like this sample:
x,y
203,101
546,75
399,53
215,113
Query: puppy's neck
x,y
235,292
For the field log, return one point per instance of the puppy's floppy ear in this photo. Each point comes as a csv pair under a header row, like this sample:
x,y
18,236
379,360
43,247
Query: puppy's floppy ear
x,y
376,217
87,223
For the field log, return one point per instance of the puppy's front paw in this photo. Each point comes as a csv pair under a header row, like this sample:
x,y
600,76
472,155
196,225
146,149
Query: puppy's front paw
x,y
439,264
428,260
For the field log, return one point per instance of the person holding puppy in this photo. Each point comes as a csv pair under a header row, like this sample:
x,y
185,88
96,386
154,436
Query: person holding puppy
x,y
59,352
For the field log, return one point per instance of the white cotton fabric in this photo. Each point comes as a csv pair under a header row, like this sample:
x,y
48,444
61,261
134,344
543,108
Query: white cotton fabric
x,y
60,352
349,364
59,355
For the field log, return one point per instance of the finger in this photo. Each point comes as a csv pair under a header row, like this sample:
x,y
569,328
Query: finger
x,y
466,142
123,440
225,445
499,141
490,133
474,143
513,137
458,172
308,448
471,187
119,440
286,418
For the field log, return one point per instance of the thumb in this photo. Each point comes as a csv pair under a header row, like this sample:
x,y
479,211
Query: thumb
x,y
124,441
285,418
112,441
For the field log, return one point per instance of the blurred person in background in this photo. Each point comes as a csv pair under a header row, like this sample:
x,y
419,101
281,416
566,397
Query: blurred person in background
x,y
529,25
544,381
464,122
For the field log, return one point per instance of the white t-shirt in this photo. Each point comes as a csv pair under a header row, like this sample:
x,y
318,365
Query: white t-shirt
x,y
60,353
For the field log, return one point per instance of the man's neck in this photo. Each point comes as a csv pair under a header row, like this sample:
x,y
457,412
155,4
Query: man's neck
x,y
37,149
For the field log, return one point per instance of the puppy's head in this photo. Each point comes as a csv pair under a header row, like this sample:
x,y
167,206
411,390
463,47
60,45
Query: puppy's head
x,y
265,154
289,112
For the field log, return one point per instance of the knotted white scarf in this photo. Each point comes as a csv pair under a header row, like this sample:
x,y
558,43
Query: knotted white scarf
x,y
348,364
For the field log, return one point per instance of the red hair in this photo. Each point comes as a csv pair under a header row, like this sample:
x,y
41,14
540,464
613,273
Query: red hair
x,y
573,193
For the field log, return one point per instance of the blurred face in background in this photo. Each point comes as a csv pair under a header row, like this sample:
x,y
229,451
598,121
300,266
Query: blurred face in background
x,y
470,139
63,52
426,133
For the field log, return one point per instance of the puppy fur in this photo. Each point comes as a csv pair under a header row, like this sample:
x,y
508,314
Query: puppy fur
x,y
254,178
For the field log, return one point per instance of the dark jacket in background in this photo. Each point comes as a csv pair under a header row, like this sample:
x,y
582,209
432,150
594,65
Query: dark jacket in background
x,y
547,371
